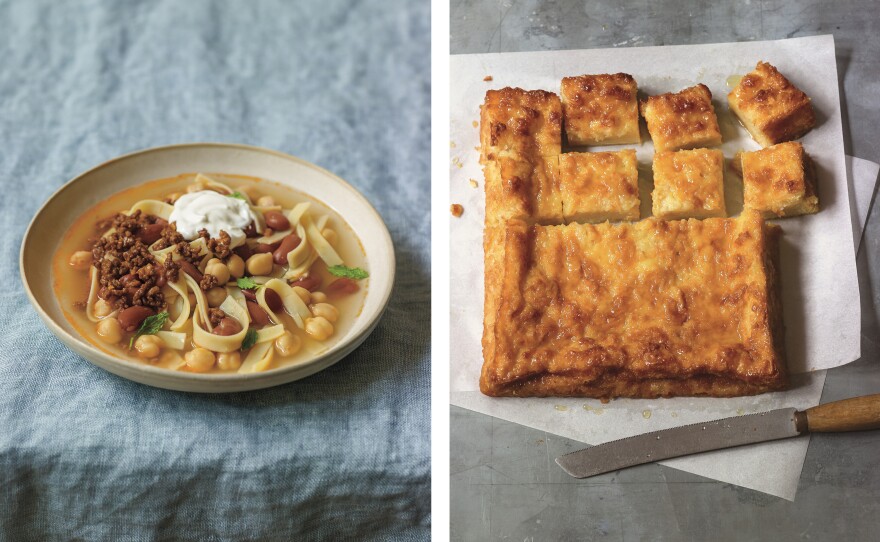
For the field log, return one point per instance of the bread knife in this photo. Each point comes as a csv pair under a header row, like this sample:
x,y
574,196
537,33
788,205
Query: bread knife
x,y
856,414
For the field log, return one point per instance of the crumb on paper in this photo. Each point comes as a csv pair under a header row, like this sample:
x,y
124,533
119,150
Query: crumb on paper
x,y
452,144
457,162
487,78
475,123
474,183
477,148
456,210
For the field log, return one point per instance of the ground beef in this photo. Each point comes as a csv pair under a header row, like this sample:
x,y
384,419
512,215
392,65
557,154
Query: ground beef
x,y
221,247
172,269
214,316
169,237
127,273
208,281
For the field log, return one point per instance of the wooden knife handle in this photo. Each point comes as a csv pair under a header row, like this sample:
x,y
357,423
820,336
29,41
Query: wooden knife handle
x,y
856,414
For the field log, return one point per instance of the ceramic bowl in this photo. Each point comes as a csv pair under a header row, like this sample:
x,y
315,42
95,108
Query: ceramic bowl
x,y
84,191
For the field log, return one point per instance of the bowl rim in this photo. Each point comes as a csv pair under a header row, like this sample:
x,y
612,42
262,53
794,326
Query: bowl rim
x,y
345,347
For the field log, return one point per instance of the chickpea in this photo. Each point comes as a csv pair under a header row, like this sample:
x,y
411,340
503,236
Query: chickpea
x,y
81,260
199,359
218,269
260,264
319,328
103,308
319,297
287,344
303,294
216,296
266,201
325,310
236,266
148,346
330,235
228,361
109,330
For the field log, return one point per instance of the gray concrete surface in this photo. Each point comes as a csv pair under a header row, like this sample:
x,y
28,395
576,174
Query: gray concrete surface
x,y
504,484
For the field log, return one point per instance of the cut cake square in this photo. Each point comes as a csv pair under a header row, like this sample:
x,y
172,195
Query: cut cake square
x,y
771,108
599,186
601,109
779,181
682,120
688,184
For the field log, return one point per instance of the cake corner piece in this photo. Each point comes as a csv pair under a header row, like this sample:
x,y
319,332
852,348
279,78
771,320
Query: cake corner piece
x,y
770,107
780,181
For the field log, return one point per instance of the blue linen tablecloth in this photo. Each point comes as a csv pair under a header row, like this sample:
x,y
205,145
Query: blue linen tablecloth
x,y
344,454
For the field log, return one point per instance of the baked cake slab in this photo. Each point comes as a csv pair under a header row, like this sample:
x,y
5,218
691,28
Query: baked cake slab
x,y
649,309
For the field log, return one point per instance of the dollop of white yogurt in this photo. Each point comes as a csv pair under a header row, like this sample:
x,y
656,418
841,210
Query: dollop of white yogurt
x,y
214,212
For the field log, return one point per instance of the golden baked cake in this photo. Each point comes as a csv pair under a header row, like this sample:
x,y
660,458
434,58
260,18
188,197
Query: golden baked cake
x,y
682,120
770,107
648,309
779,181
599,186
520,124
601,109
524,189
688,184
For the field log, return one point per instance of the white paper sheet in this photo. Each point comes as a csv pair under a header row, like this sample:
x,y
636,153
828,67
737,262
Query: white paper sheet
x,y
863,177
820,287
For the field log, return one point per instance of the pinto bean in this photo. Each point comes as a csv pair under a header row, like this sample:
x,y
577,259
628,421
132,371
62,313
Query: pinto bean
x,y
274,300
227,326
131,318
251,231
343,286
258,315
190,269
150,233
263,247
289,243
310,283
276,220
244,251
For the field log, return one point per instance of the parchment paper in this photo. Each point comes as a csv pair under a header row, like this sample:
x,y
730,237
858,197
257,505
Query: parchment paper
x,y
820,286
863,177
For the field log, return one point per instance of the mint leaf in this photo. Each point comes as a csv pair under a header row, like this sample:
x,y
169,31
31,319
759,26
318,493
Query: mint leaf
x,y
150,326
238,195
355,273
250,339
247,283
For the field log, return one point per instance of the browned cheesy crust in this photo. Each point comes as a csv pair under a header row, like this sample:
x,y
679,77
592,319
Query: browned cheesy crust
x,y
688,184
682,120
649,309
520,124
599,186
770,107
601,109
779,181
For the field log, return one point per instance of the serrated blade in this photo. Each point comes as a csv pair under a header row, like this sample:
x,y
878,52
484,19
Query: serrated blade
x,y
679,441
